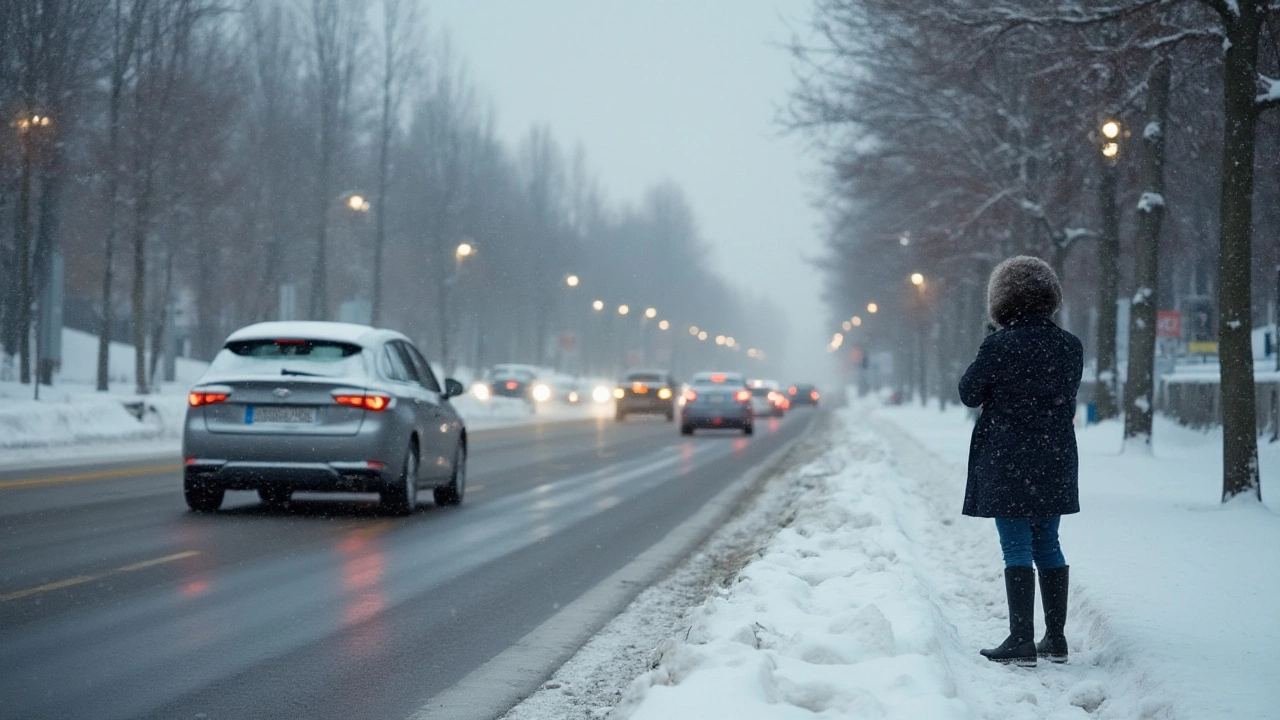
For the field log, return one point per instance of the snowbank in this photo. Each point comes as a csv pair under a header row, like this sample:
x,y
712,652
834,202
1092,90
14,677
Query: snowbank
x,y
873,602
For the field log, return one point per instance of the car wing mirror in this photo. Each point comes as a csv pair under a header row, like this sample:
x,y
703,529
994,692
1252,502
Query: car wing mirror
x,y
452,388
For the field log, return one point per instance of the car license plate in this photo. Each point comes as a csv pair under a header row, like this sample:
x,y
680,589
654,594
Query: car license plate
x,y
278,414
715,399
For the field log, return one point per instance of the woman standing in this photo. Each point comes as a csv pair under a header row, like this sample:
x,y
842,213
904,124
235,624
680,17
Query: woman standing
x,y
1023,465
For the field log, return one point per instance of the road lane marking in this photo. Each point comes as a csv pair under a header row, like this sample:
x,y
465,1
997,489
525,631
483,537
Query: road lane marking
x,y
81,579
84,477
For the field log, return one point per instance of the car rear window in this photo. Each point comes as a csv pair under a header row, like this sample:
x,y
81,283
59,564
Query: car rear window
x,y
645,378
326,358
760,392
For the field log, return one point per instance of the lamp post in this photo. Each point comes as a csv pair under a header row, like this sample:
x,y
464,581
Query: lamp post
x,y
1105,381
32,128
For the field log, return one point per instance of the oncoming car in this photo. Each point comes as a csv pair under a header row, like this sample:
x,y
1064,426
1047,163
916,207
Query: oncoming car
x,y
321,406
651,392
803,395
716,400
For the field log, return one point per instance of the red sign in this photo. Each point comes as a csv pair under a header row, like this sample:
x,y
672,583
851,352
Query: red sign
x,y
1168,324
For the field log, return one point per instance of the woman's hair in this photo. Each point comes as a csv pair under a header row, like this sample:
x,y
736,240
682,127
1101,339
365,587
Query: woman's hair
x,y
1021,287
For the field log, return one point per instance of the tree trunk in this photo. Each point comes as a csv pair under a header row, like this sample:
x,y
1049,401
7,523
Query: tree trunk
x,y
1108,291
1235,322
139,295
1138,396
25,295
320,271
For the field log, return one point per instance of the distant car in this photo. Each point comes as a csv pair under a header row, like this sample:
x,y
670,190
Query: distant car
x,y
646,392
321,406
716,400
513,381
803,395
767,399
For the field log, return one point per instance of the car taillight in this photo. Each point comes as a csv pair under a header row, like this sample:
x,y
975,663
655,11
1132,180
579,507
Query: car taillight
x,y
664,394
742,396
813,395
792,390
368,402
512,384
690,396
197,399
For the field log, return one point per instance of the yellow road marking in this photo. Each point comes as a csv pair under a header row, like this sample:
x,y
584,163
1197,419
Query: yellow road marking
x,y
81,579
82,477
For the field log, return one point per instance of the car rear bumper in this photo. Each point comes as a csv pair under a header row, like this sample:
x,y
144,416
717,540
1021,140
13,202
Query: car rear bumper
x,y
646,405
735,415
325,477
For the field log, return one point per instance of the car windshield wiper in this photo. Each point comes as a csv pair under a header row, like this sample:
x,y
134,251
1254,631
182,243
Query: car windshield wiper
x,y
287,371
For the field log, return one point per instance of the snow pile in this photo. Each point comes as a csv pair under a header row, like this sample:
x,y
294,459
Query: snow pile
x,y
32,424
873,603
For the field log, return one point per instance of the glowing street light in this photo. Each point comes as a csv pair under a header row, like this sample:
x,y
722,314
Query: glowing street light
x,y
751,352
917,279
719,339
693,330
857,321
873,308
847,325
623,309
598,305
664,325
358,203
651,313
465,250
1111,129
729,341
571,281
702,335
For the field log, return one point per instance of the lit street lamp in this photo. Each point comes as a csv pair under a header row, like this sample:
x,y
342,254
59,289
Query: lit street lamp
x,y
623,309
664,325
873,308
702,335
1111,147
651,313
917,279
465,250
598,305
857,321
358,203
571,281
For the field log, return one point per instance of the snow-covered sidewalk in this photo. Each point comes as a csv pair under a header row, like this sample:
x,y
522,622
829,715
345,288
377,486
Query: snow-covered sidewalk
x,y
873,601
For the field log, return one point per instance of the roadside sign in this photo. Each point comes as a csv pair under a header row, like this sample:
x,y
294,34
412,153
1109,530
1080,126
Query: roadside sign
x,y
1203,347
1169,324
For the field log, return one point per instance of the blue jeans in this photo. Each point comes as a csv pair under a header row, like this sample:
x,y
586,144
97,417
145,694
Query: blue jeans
x,y
1027,539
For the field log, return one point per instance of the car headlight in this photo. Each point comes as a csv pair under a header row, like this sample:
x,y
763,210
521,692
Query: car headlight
x,y
573,396
600,394
541,392
619,393
481,391
664,394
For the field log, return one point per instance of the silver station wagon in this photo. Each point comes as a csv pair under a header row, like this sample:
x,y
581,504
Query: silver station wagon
x,y
322,406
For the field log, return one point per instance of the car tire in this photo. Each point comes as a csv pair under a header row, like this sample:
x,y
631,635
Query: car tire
x,y
202,498
402,498
749,429
686,429
452,493
275,496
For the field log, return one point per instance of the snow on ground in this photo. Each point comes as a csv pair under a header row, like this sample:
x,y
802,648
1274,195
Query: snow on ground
x,y
873,601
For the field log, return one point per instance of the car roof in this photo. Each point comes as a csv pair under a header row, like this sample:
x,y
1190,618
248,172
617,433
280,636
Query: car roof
x,y
352,333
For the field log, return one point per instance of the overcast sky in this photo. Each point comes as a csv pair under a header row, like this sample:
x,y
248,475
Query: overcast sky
x,y
683,90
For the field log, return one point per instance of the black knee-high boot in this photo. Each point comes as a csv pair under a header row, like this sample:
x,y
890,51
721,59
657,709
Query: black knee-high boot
x,y
1020,647
1053,594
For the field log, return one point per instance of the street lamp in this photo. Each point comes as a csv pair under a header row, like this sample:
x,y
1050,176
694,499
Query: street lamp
x,y
693,330
857,321
571,281
664,325
358,203
623,309
917,279
702,335
651,313
873,308
598,305
465,250
719,339
1111,147
846,325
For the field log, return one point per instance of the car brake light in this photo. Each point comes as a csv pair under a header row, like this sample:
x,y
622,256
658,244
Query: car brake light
x,y
290,342
368,402
197,399
690,396
792,390
813,395
742,396
512,384
717,378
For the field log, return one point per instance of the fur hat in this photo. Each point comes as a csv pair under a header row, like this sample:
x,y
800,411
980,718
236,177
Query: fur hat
x,y
1021,287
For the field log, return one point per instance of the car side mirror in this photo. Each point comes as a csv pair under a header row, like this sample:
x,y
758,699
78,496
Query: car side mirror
x,y
452,388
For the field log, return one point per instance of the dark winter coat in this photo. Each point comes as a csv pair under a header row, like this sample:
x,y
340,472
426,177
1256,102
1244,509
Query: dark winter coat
x,y
1022,458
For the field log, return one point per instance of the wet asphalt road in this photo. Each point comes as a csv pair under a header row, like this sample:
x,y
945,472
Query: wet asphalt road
x,y
115,602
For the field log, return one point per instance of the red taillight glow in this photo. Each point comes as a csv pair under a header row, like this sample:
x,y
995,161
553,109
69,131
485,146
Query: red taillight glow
x,y
742,396
717,378
197,399
813,395
690,396
512,384
191,461
792,390
368,402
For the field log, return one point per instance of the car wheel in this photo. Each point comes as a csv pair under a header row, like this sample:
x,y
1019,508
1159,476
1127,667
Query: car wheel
x,y
275,496
749,429
452,493
201,497
402,499
686,429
